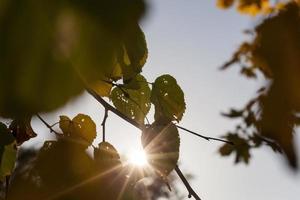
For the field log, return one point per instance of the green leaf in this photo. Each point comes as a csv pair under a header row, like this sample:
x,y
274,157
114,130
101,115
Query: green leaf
x,y
102,88
106,156
134,54
161,143
8,151
133,103
84,127
81,128
168,99
8,160
45,44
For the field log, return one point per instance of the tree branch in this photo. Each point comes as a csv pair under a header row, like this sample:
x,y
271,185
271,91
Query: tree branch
x,y
103,124
114,110
48,126
187,185
107,106
204,137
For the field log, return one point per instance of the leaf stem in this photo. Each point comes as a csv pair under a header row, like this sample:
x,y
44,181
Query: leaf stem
x,y
54,124
204,137
114,110
48,126
103,124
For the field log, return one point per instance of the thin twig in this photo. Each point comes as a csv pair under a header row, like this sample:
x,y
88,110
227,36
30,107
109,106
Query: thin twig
x,y
187,185
103,124
54,124
204,137
48,125
107,106
114,110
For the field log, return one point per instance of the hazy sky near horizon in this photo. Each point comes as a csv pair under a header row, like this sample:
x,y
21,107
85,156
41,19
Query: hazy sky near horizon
x,y
190,40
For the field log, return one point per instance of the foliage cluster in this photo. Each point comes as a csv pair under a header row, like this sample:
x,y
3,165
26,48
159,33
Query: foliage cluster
x,y
272,116
53,50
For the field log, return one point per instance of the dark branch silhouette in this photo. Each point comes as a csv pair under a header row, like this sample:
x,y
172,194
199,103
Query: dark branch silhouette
x,y
204,137
186,183
103,124
48,126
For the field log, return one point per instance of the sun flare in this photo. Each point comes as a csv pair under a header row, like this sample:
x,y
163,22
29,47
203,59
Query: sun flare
x,y
138,158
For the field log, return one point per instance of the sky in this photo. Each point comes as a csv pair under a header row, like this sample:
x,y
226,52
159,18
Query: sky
x,y
190,39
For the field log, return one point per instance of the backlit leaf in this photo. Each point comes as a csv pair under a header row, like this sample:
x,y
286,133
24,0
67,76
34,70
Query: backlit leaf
x,y
161,143
134,103
102,88
83,126
168,99
135,53
225,3
252,7
8,160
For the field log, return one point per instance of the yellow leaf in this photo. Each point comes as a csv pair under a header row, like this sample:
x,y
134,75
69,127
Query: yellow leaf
x,y
126,57
102,88
65,124
225,3
84,127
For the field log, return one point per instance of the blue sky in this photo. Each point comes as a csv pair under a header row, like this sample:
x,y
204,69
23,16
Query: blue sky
x,y
190,40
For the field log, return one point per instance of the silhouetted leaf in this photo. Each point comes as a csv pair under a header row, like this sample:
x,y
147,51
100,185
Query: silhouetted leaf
x,y
250,119
6,136
274,51
240,147
61,165
233,113
274,37
65,124
248,72
22,130
106,156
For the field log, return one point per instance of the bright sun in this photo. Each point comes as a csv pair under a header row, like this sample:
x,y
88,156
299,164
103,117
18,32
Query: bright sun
x,y
138,157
